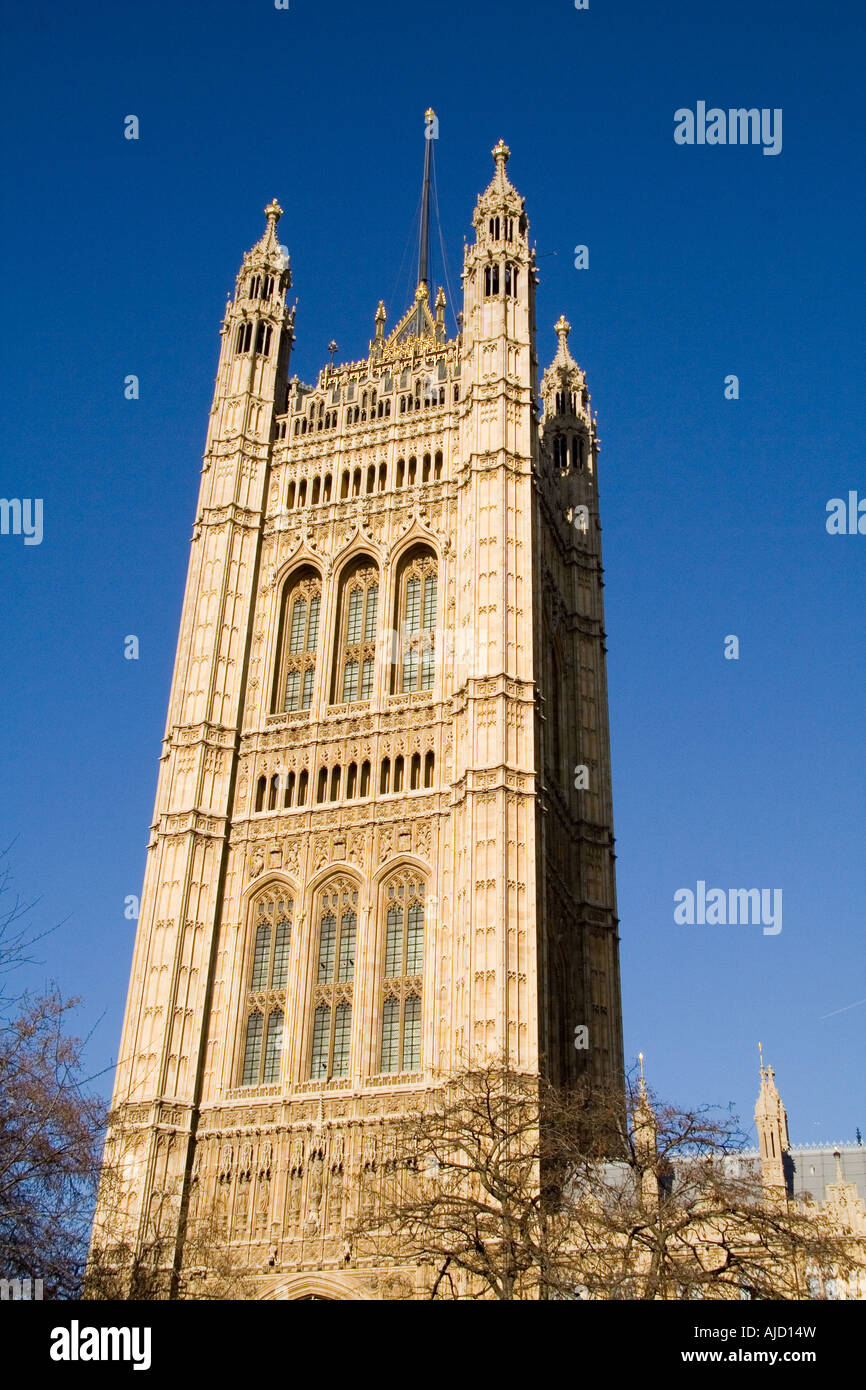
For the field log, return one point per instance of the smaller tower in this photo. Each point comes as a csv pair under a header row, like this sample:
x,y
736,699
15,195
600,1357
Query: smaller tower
x,y
645,1137
843,1202
771,1121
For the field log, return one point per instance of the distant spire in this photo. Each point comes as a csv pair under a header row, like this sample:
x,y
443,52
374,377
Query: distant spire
x,y
562,328
771,1122
501,154
422,291
645,1135
424,249
268,244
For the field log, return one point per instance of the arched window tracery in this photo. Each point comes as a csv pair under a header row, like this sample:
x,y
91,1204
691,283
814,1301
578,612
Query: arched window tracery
x,y
265,1003
416,622
302,604
356,650
337,911
403,966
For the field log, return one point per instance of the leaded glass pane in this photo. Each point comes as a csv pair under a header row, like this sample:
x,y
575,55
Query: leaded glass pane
x,y
252,1050
353,626
347,946
415,939
321,1030
367,678
428,667
342,1031
394,943
430,601
281,955
412,1034
299,622
261,955
273,1048
391,1035
350,682
413,605
292,683
313,629
370,615
410,669
327,948
307,693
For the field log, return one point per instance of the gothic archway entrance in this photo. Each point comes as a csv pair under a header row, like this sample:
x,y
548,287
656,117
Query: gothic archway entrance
x,y
321,1288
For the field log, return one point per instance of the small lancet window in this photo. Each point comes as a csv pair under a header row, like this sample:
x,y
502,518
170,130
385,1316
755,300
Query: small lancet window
x,y
266,991
358,636
300,640
335,969
402,973
245,337
417,590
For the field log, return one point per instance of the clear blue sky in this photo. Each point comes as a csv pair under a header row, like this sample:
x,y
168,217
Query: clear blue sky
x,y
704,261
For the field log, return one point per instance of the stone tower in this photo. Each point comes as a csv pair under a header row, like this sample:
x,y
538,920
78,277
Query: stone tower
x,y
771,1122
382,843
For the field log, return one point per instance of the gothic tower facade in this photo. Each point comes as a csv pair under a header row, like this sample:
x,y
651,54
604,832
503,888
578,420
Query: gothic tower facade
x,y
382,845
771,1122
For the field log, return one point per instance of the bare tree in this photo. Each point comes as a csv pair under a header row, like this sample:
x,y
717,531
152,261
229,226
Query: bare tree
x,y
510,1190
50,1122
159,1265
50,1131
676,1215
466,1192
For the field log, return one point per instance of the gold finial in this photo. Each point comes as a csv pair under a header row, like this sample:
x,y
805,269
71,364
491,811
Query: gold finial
x,y
273,212
642,1077
429,114
562,328
501,153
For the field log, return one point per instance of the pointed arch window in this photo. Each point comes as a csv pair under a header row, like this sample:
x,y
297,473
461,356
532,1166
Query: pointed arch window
x,y
402,974
356,654
416,622
334,976
244,337
299,642
265,1004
